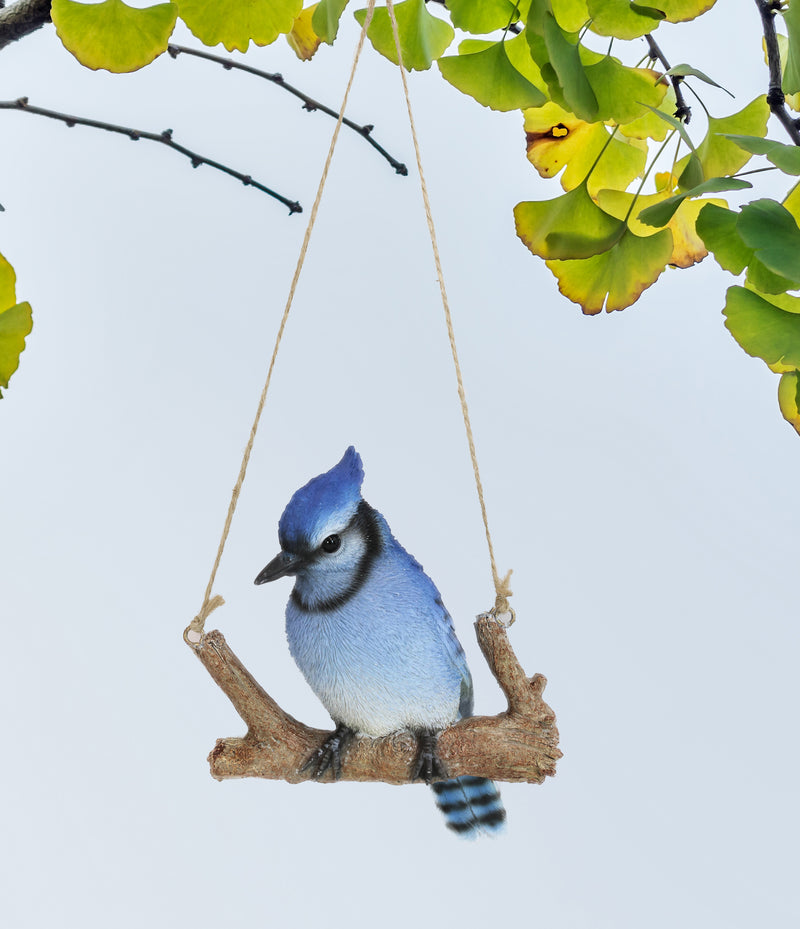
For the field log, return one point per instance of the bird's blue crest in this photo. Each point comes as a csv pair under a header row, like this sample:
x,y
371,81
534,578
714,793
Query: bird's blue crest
x,y
328,498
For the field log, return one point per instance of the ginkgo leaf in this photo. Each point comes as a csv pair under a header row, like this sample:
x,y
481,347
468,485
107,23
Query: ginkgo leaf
x,y
791,66
491,79
8,281
649,125
236,24
763,329
16,322
571,15
302,39
563,51
616,278
423,37
112,35
789,398
482,16
685,70
717,228
792,202
326,18
660,213
621,19
722,232
623,94
785,157
557,139
718,155
570,226
772,232
687,246
759,277
681,11
519,54
672,121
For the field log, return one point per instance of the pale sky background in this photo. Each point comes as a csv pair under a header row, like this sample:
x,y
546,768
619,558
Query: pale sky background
x,y
639,478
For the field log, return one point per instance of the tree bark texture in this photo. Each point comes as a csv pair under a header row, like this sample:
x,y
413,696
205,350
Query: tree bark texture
x,y
520,744
22,18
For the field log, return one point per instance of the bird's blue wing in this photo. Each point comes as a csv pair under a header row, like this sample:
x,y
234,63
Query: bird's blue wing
x,y
456,655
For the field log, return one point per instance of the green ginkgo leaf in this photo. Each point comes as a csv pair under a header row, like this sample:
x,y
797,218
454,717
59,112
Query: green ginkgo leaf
x,y
16,322
674,122
692,174
570,226
518,52
717,227
112,35
8,281
764,329
685,70
681,11
491,79
789,398
772,232
623,94
482,16
326,18
423,37
661,213
791,67
650,125
622,19
785,157
719,156
235,23
571,15
565,60
616,278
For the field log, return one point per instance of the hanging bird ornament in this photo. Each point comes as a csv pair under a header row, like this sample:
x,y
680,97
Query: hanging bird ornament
x,y
368,629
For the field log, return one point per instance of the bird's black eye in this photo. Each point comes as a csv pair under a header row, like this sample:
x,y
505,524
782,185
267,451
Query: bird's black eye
x,y
331,544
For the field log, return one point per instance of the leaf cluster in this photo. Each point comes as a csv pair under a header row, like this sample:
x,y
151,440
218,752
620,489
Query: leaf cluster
x,y
637,186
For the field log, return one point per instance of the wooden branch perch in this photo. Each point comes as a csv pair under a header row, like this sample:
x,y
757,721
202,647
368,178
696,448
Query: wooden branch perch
x,y
518,745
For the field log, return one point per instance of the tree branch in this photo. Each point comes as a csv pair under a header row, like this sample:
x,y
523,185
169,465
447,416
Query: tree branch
x,y
775,95
165,138
21,19
518,745
308,102
682,109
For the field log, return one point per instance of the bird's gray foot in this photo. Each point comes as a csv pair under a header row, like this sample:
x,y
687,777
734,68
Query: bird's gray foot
x,y
427,765
330,754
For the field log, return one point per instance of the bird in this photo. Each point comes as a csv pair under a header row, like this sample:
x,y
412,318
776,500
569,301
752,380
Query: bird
x,y
370,634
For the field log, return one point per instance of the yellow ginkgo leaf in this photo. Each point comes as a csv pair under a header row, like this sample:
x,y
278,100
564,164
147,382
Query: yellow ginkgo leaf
x,y
302,39
557,140
112,35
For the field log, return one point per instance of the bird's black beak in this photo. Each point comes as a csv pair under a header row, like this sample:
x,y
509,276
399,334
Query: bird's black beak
x,y
280,566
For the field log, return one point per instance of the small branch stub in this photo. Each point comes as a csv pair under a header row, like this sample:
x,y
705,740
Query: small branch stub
x,y
520,744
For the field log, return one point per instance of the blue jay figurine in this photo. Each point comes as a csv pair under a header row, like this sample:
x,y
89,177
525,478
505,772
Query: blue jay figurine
x,y
371,635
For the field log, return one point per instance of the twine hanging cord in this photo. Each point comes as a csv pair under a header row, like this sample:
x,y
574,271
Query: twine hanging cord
x,y
501,611
194,631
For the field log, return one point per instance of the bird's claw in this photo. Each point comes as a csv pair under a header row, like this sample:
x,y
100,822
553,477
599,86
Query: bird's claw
x,y
427,765
329,754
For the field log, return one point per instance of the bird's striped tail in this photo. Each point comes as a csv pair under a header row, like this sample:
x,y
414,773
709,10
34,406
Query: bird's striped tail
x,y
471,805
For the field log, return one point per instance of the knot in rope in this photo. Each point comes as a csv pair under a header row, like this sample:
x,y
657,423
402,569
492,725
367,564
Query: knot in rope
x,y
193,633
504,591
